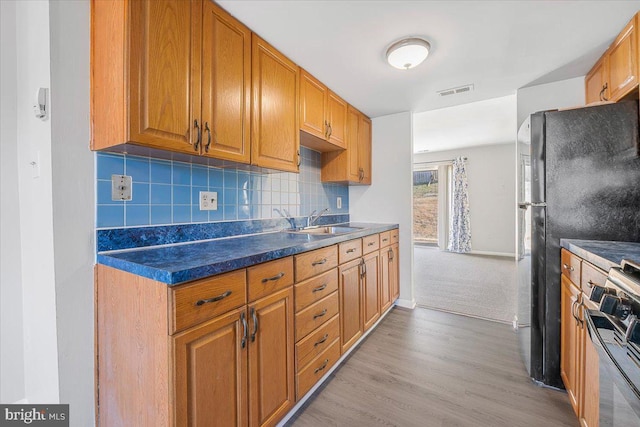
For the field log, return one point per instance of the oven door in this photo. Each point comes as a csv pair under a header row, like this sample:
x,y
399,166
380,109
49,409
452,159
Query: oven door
x,y
619,395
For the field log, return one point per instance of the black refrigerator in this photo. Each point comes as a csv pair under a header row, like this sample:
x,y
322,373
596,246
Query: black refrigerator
x,y
578,178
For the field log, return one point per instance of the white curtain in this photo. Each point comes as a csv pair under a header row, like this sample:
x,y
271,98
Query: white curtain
x,y
459,227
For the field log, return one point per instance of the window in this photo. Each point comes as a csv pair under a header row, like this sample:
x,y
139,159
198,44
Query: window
x,y
425,206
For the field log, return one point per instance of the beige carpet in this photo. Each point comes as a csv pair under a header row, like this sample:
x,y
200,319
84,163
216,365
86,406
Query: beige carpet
x,y
475,285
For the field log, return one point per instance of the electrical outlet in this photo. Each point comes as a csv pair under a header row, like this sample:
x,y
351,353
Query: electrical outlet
x,y
208,200
121,188
339,202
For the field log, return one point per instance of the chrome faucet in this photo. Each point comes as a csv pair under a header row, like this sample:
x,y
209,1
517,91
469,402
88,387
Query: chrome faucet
x,y
313,218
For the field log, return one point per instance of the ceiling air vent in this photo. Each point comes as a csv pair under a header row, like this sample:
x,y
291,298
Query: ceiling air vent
x,y
456,90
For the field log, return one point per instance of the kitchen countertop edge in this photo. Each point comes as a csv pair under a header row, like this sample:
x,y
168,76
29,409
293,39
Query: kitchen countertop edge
x,y
124,259
603,254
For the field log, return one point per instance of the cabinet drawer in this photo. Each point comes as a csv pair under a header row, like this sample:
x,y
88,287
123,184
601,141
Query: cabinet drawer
x,y
310,375
196,302
350,250
317,341
370,243
385,239
395,236
312,263
314,289
315,315
570,266
264,279
591,276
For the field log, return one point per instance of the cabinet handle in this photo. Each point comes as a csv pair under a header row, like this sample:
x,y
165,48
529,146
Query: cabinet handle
x,y
330,131
206,127
590,283
196,146
322,261
385,240
276,277
299,158
360,174
320,288
255,324
321,368
567,267
604,88
351,250
322,313
326,129
245,327
321,340
370,243
214,299
364,268
391,255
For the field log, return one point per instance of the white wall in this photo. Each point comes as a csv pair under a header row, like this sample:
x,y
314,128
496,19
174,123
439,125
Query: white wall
x,y
11,343
36,217
73,204
562,94
389,198
491,175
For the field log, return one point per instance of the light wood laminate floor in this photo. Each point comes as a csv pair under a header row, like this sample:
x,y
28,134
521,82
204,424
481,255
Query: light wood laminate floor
x,y
430,368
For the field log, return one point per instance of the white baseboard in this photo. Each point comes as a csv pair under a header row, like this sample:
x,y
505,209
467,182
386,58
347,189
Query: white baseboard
x,y
502,254
405,303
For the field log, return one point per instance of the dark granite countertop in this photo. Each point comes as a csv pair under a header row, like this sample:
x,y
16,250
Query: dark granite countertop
x,y
603,254
183,262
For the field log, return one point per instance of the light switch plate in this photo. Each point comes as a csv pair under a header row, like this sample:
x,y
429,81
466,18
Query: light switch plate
x,y
121,188
208,200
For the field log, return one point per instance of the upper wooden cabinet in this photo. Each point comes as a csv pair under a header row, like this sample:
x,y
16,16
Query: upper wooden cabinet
x,y
171,75
596,86
615,75
352,165
226,85
275,139
322,115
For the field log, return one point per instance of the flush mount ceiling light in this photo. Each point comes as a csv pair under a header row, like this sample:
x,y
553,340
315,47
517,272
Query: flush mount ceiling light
x,y
408,53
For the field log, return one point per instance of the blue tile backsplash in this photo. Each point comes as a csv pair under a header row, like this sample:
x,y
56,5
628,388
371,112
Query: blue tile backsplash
x,y
167,192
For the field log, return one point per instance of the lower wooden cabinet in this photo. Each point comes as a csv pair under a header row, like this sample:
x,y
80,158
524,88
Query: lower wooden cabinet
x,y
579,360
211,366
271,362
351,325
371,294
394,272
570,333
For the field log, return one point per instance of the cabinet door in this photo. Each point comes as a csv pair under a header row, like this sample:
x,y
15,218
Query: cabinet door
x,y
351,326
384,285
370,297
569,342
226,85
590,407
275,137
353,126
313,105
337,117
164,73
623,65
271,363
596,86
364,150
394,272
211,372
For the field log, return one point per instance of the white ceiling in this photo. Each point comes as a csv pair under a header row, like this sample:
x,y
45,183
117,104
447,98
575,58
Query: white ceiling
x,y
478,123
499,46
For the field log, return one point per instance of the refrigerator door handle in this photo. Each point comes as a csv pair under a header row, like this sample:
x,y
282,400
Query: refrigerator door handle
x,y
525,205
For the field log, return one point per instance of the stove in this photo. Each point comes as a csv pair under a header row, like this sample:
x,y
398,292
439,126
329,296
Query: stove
x,y
614,329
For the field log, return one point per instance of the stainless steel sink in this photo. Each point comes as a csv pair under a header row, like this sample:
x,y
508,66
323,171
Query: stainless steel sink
x,y
336,229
